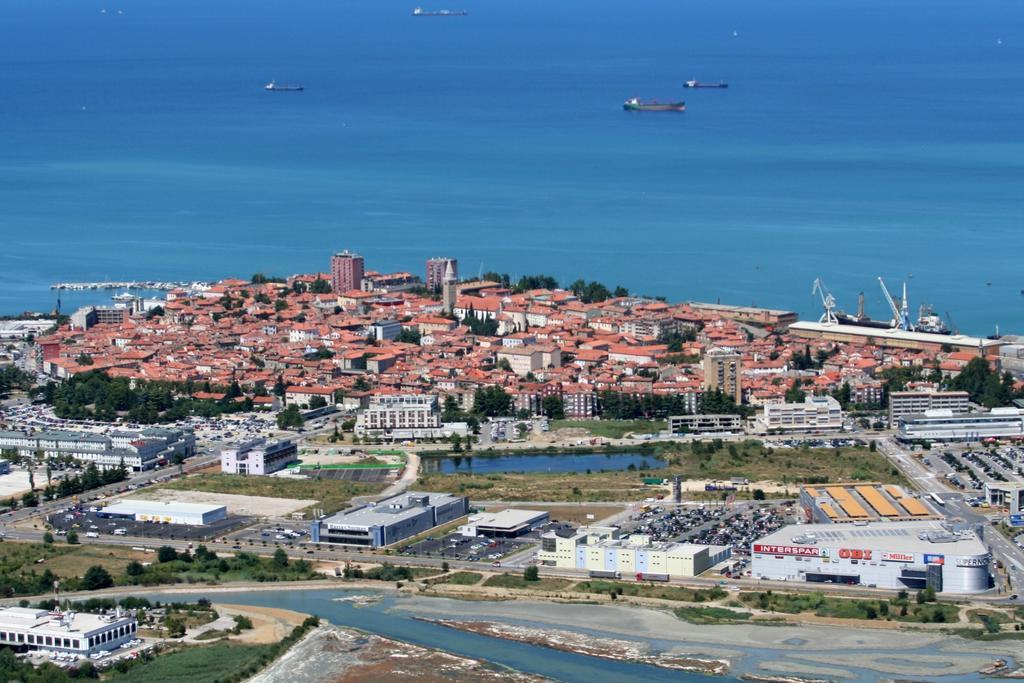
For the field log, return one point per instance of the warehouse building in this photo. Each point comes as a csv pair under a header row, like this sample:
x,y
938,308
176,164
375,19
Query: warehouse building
x,y
704,424
258,456
600,549
859,503
896,555
24,629
505,524
945,425
191,514
389,521
893,338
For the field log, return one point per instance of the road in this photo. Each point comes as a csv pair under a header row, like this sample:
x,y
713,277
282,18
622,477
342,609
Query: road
x,y
927,481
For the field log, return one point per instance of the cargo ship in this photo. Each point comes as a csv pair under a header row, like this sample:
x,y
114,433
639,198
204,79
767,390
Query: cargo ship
x,y
273,86
420,12
635,104
694,83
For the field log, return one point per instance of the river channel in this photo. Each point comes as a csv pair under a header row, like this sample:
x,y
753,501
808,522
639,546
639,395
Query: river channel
x,y
849,654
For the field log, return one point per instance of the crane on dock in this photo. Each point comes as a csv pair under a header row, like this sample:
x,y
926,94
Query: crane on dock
x,y
827,301
901,313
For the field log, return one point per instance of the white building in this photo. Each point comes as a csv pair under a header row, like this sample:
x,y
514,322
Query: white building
x,y
169,512
818,413
904,403
258,456
26,629
505,524
897,555
945,425
599,549
400,415
138,449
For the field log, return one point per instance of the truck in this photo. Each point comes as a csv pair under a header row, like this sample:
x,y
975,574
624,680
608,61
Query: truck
x,y
595,574
647,576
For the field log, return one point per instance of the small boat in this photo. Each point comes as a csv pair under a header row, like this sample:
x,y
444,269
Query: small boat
x,y
694,83
274,86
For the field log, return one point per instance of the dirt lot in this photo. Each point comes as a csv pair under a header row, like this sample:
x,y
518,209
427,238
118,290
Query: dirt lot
x,y
15,483
251,506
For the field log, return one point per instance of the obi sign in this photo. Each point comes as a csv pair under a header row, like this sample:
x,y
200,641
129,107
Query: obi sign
x,y
798,550
854,554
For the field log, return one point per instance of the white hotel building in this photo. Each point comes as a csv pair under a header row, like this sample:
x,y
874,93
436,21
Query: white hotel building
x,y
401,416
24,629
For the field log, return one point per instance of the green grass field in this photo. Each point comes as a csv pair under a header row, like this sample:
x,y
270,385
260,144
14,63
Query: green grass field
x,y
459,578
710,615
333,494
846,608
650,590
517,581
201,664
612,429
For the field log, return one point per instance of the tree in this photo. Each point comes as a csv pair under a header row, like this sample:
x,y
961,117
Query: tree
x,y
317,402
531,573
166,553
795,394
29,499
320,286
72,537
290,418
444,566
758,494
492,401
280,558
409,335
47,538
553,407
96,577
135,568
84,359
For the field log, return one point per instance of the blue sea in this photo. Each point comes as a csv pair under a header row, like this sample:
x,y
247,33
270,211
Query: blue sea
x,y
856,140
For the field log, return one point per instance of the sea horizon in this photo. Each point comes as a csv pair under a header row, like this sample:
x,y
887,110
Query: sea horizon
x,y
142,146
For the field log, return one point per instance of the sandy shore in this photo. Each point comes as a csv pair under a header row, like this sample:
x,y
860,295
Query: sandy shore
x,y
845,652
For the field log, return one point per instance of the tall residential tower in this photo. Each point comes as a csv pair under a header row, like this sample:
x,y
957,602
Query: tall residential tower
x,y
722,372
436,268
346,272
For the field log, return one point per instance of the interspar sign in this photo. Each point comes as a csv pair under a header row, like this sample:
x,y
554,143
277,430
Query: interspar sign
x,y
897,557
798,550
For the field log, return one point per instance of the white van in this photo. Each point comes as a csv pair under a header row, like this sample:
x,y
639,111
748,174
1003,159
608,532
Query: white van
x,y
120,532
91,534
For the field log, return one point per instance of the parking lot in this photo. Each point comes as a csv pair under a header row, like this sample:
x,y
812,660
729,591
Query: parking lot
x,y
88,521
473,549
735,527
968,469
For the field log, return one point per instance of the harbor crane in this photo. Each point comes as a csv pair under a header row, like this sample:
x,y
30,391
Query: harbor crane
x,y
827,301
901,313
